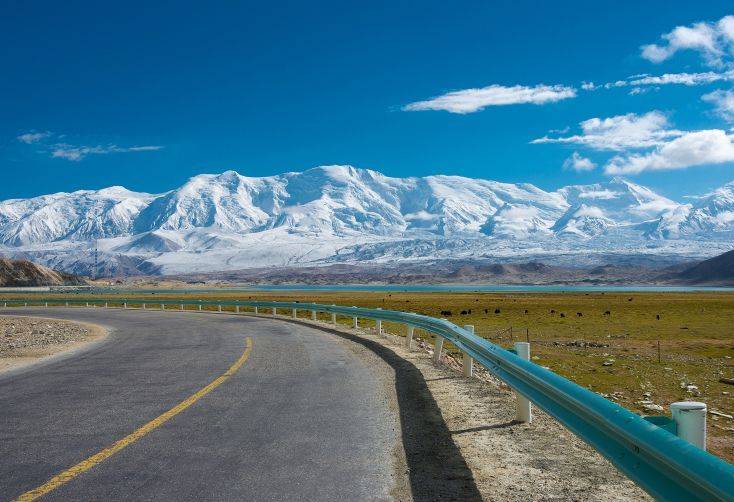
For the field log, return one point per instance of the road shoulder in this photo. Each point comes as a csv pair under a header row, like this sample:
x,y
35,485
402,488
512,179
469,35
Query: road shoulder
x,y
29,341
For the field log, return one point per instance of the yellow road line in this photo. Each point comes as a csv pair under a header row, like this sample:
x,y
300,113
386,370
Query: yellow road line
x,y
85,465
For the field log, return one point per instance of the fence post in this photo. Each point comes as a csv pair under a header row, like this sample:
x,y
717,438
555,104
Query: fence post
x,y
86,302
437,348
294,314
219,308
143,306
105,304
409,338
275,311
182,306
200,306
355,322
313,315
468,361
66,304
45,304
256,309
378,327
124,305
237,309
524,407
690,418
163,307
333,318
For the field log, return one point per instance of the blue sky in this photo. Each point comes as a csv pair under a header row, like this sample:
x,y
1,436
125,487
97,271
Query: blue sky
x,y
147,94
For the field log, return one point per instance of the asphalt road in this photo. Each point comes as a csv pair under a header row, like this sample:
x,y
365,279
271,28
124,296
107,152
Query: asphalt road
x,y
303,418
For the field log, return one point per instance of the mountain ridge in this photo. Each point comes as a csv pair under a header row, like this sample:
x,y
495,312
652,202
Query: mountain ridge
x,y
332,214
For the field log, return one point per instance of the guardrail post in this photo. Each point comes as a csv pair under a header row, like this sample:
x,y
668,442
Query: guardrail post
x,y
690,419
237,309
468,360
437,348
143,306
199,306
256,310
124,305
409,338
524,406
313,315
378,327
294,313
181,307
333,318
105,304
219,308
355,322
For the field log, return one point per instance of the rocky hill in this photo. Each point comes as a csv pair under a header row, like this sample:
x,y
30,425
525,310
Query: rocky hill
x,y
715,271
24,273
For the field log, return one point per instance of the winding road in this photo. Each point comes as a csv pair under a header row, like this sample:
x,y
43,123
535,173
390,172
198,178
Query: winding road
x,y
190,406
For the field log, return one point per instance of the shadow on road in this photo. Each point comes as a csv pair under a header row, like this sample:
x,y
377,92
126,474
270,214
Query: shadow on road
x,y
437,470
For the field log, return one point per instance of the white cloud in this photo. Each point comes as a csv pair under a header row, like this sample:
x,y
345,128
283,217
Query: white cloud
x,y
688,79
474,100
621,132
33,137
578,163
712,40
723,102
76,153
692,149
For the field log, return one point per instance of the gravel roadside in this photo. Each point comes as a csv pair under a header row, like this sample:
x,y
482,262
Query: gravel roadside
x,y
460,436
25,340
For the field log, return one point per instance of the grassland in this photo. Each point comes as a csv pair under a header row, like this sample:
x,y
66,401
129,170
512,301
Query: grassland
x,y
606,342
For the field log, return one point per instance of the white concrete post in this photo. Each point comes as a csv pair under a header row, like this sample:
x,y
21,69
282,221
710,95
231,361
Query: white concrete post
x,y
163,307
378,327
87,304
690,417
524,407
437,348
124,305
181,306
294,313
143,306
355,322
256,310
313,315
105,304
468,361
333,318
274,311
237,309
219,308
199,306
409,338
45,304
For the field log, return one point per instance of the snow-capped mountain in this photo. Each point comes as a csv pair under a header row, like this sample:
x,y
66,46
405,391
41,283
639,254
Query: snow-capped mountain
x,y
341,213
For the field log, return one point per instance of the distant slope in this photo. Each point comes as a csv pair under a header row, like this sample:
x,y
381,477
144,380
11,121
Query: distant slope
x,y
718,270
24,273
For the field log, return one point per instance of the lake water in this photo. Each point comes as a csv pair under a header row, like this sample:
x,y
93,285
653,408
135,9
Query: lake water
x,y
422,288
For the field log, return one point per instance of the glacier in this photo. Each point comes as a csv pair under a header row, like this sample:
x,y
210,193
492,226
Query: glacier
x,y
344,214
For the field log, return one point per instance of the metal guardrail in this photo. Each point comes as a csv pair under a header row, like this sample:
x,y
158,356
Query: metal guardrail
x,y
663,464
